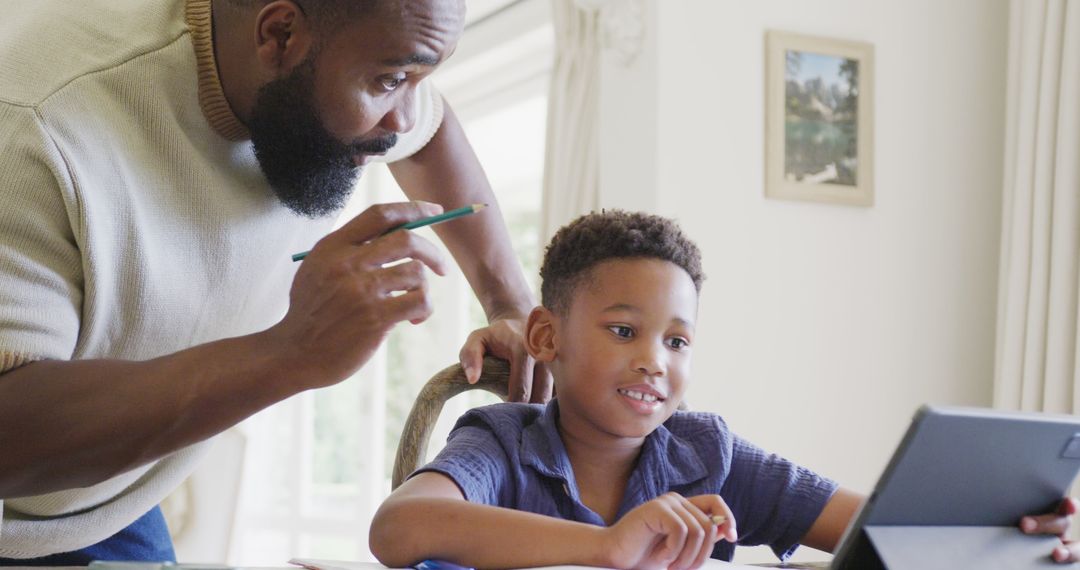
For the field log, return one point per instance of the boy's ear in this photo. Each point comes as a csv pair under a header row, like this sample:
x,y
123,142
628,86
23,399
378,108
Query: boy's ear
x,y
540,334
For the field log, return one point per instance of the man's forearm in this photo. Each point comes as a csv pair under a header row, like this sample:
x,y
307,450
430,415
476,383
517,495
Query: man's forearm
x,y
72,424
68,424
446,171
407,530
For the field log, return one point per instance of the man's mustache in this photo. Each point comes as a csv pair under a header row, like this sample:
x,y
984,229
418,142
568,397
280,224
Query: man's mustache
x,y
374,146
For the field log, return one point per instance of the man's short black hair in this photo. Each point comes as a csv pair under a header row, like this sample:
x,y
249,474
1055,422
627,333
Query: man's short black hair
x,y
611,234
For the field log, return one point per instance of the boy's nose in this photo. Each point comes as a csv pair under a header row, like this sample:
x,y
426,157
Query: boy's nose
x,y
649,363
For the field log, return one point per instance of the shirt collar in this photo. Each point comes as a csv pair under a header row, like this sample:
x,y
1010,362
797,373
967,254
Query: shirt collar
x,y
198,14
666,461
542,448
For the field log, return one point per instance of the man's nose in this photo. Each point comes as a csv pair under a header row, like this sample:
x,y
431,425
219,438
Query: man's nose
x,y
401,117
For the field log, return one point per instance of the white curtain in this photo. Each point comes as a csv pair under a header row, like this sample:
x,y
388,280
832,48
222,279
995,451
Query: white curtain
x,y
571,167
1037,366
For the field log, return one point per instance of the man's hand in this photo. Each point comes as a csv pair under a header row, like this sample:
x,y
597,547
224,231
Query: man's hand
x,y
1056,523
530,381
353,287
670,531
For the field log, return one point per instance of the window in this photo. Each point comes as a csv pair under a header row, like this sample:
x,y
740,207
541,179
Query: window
x,y
318,465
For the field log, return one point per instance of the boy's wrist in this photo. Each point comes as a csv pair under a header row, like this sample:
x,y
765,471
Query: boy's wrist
x,y
601,549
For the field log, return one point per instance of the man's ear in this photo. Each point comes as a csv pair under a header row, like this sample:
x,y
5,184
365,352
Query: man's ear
x,y
284,37
540,337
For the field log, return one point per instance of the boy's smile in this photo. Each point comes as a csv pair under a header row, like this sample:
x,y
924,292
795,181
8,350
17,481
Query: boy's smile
x,y
621,353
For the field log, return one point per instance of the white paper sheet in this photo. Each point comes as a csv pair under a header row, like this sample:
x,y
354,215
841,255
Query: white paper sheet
x,y
316,564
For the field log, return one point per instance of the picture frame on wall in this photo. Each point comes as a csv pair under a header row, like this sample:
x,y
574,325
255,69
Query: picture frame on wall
x,y
819,119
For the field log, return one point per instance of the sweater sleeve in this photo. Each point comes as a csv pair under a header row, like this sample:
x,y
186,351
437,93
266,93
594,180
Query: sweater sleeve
x,y
429,116
40,264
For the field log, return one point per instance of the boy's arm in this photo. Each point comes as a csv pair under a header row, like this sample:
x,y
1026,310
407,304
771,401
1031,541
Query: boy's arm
x,y
428,518
827,529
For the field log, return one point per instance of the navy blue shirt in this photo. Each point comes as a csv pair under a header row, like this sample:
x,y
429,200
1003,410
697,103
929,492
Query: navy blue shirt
x,y
511,455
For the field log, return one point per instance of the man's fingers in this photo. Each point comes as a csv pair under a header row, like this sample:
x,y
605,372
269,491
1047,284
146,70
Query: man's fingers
x,y
406,276
380,218
413,306
520,378
472,356
401,245
541,383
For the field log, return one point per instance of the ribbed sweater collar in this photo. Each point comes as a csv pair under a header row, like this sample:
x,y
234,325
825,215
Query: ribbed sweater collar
x,y
199,16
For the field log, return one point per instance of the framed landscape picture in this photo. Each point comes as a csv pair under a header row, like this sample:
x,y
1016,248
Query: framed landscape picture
x,y
819,119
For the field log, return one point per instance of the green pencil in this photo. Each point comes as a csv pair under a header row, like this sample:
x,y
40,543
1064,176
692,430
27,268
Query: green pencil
x,y
465,211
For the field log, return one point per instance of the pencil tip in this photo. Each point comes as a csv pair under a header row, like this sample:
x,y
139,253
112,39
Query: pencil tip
x,y
478,207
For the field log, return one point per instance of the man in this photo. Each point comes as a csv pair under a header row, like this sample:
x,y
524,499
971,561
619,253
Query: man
x,y
159,161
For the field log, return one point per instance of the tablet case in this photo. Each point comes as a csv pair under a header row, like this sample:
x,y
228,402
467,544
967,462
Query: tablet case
x,y
956,487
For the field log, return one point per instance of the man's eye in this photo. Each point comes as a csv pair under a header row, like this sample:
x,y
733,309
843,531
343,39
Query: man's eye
x,y
621,331
678,343
391,82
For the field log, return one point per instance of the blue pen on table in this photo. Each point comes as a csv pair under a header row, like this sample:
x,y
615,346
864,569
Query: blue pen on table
x,y
431,220
439,565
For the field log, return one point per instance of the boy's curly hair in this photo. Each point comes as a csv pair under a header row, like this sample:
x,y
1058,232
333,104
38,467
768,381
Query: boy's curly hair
x,y
611,234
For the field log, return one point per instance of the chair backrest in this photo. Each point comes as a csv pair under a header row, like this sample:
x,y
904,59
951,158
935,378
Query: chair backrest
x,y
412,448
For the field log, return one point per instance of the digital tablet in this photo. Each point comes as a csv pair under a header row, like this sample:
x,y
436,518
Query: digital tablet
x,y
967,467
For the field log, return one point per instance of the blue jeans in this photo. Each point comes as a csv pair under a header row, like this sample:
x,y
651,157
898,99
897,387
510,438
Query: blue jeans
x,y
145,540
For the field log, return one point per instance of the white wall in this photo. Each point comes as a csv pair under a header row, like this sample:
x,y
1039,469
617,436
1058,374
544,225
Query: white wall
x,y
822,328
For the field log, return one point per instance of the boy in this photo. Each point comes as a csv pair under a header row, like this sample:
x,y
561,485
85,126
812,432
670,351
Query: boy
x,y
625,480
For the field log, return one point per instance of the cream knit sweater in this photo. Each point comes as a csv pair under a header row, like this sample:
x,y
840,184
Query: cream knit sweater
x,y
134,221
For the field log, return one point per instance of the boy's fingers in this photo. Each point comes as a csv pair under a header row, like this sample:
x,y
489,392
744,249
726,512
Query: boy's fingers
x,y
674,530
709,535
696,528
1067,553
673,545
1046,524
1068,506
714,505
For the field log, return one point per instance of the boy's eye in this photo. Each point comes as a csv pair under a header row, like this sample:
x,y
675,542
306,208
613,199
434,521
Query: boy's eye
x,y
621,331
678,343
391,82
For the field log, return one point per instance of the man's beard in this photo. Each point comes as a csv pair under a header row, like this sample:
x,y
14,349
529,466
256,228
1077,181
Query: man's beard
x,y
310,171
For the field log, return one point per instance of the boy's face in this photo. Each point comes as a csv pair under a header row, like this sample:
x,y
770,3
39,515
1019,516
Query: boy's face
x,y
621,353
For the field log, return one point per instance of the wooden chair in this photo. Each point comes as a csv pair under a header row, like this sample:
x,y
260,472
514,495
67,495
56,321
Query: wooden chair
x,y
412,448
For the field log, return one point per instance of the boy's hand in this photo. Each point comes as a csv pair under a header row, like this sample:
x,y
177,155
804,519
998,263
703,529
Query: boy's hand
x,y
1056,523
670,531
